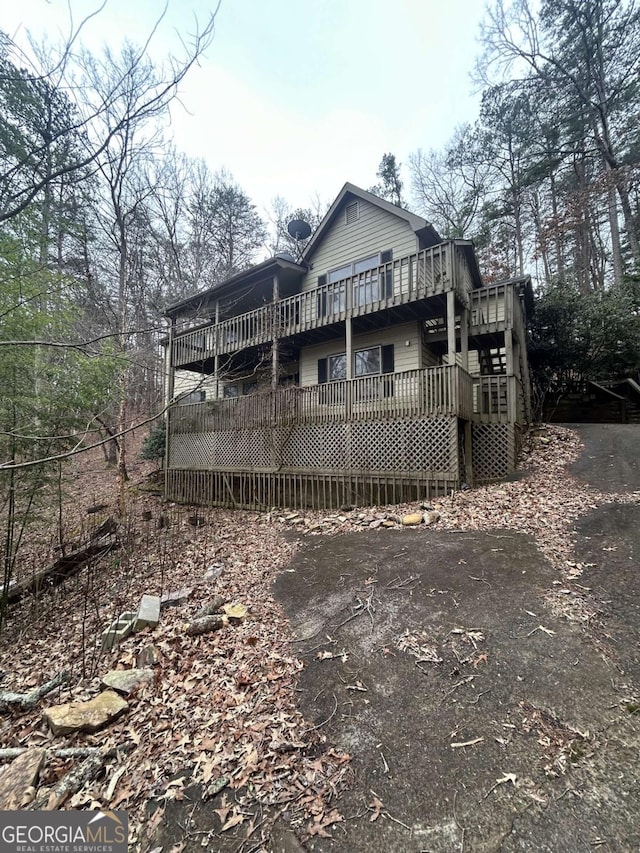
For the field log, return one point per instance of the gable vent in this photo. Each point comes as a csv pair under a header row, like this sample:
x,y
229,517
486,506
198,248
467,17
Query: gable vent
x,y
351,213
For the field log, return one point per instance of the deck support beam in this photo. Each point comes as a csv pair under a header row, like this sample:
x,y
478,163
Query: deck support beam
x,y
451,327
216,357
275,345
169,387
464,339
348,334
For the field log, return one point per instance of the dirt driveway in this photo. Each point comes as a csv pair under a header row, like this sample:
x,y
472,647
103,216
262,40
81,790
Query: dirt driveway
x,y
478,716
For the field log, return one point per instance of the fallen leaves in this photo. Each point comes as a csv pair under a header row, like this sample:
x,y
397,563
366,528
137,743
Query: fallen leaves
x,y
225,702
321,821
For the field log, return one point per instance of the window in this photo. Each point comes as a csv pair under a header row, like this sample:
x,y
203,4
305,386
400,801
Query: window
x,y
337,365
370,284
333,300
191,397
289,379
230,391
365,264
339,273
367,362
371,361
249,386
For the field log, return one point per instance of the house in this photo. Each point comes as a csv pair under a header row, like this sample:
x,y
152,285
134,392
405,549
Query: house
x,y
375,369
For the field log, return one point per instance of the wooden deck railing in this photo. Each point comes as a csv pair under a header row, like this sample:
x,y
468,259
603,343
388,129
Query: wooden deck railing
x,y
497,399
435,391
421,275
491,309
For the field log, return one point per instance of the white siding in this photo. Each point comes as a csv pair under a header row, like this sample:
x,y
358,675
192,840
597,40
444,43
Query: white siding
x,y
473,361
188,380
374,231
405,357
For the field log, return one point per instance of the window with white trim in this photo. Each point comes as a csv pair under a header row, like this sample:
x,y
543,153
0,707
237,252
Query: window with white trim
x,y
370,283
367,362
337,367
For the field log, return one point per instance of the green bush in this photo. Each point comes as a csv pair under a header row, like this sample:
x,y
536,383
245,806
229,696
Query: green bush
x,y
153,445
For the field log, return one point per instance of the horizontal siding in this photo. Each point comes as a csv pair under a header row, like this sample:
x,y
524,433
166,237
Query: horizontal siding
x,y
429,358
187,380
405,357
473,361
374,231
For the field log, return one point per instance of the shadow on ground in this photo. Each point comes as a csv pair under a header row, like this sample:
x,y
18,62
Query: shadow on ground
x,y
477,715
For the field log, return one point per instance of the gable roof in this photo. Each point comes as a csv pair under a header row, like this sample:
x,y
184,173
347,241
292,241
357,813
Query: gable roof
x,y
350,191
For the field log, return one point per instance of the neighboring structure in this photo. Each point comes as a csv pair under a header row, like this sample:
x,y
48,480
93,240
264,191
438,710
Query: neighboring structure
x,y
375,370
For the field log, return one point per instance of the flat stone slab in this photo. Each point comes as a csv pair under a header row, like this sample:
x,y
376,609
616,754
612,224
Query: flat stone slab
x,y
17,777
126,681
85,716
175,599
148,612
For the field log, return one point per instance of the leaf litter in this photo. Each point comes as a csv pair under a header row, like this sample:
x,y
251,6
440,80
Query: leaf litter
x,y
222,709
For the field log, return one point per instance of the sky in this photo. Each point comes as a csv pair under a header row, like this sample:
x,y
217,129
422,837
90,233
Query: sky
x,y
295,97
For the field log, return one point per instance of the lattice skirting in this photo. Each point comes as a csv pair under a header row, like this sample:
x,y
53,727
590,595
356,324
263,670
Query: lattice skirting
x,y
416,445
495,449
256,490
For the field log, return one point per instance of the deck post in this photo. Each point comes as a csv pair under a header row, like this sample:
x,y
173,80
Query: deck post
x,y
275,342
216,357
508,351
464,339
169,389
451,327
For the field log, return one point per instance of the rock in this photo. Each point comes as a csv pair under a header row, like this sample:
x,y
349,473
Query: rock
x,y
149,656
175,599
374,524
17,777
126,681
412,519
386,522
235,611
431,517
148,612
85,716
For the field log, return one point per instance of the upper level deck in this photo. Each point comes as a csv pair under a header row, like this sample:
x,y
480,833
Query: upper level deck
x,y
420,276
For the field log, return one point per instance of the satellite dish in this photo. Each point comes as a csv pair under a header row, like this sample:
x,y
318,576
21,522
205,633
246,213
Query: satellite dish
x,y
299,229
